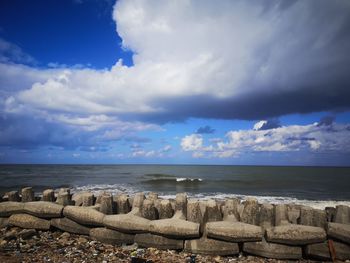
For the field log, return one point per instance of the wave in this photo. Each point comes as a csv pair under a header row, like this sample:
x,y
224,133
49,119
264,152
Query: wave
x,y
181,179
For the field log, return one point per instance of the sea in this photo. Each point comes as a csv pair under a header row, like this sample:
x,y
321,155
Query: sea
x,y
318,187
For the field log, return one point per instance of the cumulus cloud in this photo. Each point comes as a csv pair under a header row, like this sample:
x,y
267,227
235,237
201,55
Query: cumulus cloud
x,y
200,59
205,130
267,124
308,138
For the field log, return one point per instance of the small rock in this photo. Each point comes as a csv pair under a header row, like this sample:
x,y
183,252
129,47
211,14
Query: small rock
x,y
27,233
65,235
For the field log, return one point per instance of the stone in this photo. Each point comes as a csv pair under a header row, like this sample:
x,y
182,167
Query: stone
x,y
48,195
293,213
281,215
266,216
208,246
272,250
339,231
342,214
165,210
106,204
123,205
321,251
43,209
152,196
313,217
13,196
112,237
29,221
131,222
330,212
27,194
177,226
159,242
295,234
84,215
9,207
27,233
213,212
148,210
230,209
250,213
4,222
234,231
64,198
68,225
83,199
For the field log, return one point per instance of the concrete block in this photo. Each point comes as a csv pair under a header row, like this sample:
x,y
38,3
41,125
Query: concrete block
x,y
330,212
293,213
106,204
230,209
281,217
27,194
213,212
339,231
68,225
48,195
4,222
112,237
295,234
152,196
272,250
342,214
266,216
43,209
148,210
64,197
174,228
9,207
234,231
13,196
210,246
123,205
321,251
83,199
250,213
159,242
165,210
84,215
29,221
313,217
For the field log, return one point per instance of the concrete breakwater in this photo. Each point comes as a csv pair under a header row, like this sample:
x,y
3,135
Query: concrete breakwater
x,y
226,227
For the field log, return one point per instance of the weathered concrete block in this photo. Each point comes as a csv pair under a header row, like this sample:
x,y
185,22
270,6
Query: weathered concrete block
x,y
234,231
194,213
272,250
266,216
293,213
68,225
83,199
112,237
342,214
29,221
339,231
212,212
176,228
250,213
148,210
330,212
313,217
281,217
4,222
84,215
106,204
9,207
131,222
230,209
295,234
13,196
43,209
48,195
159,242
321,251
210,246
152,196
123,205
64,198
165,210
27,194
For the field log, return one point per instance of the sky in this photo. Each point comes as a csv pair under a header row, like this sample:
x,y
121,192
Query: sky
x,y
175,82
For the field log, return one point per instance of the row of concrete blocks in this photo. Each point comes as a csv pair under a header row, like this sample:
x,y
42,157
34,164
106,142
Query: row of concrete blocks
x,y
204,231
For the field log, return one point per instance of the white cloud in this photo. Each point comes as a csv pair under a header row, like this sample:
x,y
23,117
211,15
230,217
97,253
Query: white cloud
x,y
310,138
189,48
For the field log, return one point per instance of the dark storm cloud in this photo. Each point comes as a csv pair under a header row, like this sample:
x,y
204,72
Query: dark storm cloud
x,y
205,130
326,120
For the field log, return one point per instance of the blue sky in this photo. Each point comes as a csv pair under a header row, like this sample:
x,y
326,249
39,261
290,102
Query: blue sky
x,y
179,82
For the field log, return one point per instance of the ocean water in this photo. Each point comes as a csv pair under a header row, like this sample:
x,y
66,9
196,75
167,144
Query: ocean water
x,y
315,186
